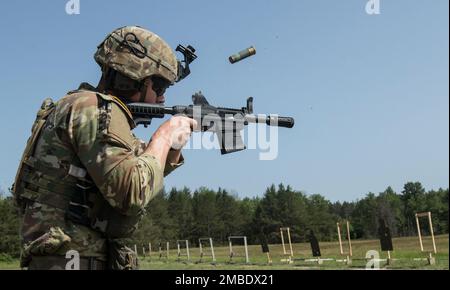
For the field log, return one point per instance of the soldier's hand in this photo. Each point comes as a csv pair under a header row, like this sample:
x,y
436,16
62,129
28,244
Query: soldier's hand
x,y
173,133
177,130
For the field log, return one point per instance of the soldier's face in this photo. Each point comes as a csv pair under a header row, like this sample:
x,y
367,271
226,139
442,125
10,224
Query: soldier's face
x,y
151,96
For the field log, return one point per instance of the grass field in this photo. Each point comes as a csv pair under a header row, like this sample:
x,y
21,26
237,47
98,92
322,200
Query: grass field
x,y
405,251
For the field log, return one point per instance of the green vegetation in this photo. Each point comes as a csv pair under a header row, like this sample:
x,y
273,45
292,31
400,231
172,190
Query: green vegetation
x,y
186,215
181,214
405,250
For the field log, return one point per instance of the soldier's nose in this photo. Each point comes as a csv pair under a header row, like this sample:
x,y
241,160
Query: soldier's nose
x,y
161,99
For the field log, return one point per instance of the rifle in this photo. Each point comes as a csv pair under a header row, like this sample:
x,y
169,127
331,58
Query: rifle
x,y
225,122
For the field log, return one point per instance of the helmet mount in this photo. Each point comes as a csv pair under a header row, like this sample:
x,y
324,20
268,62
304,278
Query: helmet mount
x,y
189,56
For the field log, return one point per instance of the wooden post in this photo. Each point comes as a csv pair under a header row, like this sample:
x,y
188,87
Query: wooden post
x,y
212,250
246,251
187,250
431,259
269,259
167,254
349,239
339,237
202,253
418,231
201,249
231,249
135,250
289,239
179,254
432,232
230,238
349,260
286,253
150,250
282,241
200,246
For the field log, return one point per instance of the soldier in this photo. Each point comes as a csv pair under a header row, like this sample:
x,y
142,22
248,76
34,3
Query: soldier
x,y
85,179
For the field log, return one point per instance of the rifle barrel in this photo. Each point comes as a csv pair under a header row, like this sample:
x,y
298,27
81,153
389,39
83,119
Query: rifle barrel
x,y
271,120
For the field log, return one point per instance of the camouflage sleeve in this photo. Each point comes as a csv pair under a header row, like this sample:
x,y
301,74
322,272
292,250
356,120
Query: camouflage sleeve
x,y
104,143
170,167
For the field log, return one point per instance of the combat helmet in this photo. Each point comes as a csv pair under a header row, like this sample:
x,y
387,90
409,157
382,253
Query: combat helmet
x,y
138,53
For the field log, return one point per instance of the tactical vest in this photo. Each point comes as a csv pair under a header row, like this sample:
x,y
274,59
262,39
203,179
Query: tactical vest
x,y
70,190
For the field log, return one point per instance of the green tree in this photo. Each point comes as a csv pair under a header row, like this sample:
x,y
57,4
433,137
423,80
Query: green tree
x,y
157,225
229,214
293,212
267,218
365,218
281,208
413,198
9,227
247,208
205,213
321,218
343,210
437,203
390,210
181,212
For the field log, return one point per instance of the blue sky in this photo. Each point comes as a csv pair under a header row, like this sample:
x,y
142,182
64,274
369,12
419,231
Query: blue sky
x,y
369,92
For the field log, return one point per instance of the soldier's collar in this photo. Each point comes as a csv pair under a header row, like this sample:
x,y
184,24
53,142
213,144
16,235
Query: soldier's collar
x,y
83,87
87,87
125,108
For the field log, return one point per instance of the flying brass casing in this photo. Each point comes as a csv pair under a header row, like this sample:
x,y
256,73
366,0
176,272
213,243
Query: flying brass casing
x,y
243,54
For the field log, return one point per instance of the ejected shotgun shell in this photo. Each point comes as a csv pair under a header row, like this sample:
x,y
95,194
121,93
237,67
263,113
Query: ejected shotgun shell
x,y
243,54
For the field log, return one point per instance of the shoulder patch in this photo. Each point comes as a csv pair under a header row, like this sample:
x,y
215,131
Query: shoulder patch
x,y
119,128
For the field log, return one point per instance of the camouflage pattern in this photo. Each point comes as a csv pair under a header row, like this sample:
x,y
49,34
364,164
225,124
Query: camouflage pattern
x,y
149,55
86,143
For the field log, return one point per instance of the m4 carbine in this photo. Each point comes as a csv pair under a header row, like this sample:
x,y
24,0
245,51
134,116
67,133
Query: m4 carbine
x,y
227,123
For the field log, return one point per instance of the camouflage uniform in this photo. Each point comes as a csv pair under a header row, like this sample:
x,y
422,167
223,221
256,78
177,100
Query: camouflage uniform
x,y
84,179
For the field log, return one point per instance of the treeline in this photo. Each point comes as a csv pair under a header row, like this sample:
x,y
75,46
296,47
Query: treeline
x,y
9,228
182,214
186,215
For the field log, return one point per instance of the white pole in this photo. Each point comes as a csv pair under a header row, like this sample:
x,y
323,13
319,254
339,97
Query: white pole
x,y
349,239
246,251
339,237
432,232
282,241
231,248
201,249
212,249
290,243
150,250
418,231
187,249
167,257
